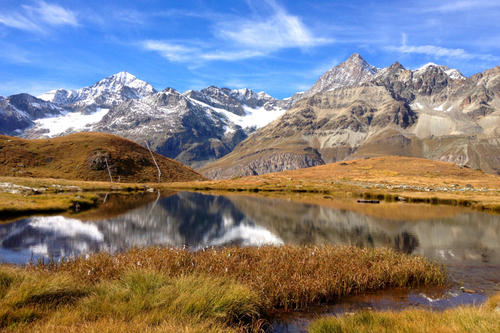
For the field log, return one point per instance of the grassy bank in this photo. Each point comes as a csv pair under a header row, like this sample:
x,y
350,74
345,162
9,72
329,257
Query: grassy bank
x,y
24,196
389,178
212,290
485,318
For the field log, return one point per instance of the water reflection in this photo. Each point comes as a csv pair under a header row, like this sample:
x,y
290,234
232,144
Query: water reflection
x,y
466,242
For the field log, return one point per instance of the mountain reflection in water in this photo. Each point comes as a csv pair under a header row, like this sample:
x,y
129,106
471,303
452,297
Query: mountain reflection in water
x,y
197,220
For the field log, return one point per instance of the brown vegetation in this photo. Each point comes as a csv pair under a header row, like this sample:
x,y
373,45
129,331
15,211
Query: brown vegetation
x,y
159,289
284,277
387,178
86,156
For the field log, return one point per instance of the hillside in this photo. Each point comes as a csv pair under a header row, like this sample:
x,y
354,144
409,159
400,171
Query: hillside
x,y
83,156
356,111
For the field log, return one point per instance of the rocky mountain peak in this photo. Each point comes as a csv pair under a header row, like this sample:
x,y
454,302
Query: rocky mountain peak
x,y
355,70
123,77
396,66
105,93
431,67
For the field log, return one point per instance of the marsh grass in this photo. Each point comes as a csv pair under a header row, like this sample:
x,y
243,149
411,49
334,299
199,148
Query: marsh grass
x,y
147,299
462,319
215,290
284,277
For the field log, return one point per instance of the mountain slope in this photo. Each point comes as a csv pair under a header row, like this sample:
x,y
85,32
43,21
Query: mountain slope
x,y
18,112
195,127
431,112
84,156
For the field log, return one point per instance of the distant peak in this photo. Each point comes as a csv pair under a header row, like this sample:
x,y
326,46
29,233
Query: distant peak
x,y
356,57
396,65
429,64
169,90
123,77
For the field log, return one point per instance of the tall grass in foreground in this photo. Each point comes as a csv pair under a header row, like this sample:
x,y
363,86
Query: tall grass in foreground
x,y
217,290
284,277
485,318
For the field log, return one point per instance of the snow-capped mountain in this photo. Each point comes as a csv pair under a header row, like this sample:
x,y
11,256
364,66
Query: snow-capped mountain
x,y
108,92
18,112
194,127
453,73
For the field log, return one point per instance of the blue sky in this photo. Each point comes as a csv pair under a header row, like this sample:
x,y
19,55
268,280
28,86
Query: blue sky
x,y
273,45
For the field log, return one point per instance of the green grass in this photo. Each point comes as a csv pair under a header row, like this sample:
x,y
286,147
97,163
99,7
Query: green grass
x,y
483,318
37,299
218,290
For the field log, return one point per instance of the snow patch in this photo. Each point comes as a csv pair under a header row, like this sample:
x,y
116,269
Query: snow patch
x,y
74,121
439,108
254,117
417,106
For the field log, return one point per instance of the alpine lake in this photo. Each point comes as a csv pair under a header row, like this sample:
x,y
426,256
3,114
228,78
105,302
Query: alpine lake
x,y
466,242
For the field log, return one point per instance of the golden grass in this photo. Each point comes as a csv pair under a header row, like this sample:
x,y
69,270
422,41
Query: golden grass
x,y
74,156
150,301
483,318
216,290
359,178
284,277
48,195
15,204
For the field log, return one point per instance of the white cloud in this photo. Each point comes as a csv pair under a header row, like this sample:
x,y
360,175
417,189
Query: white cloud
x,y
54,14
231,55
281,30
238,39
195,54
464,5
438,51
173,52
36,18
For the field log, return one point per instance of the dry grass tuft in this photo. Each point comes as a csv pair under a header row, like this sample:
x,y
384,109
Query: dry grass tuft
x,y
216,290
284,277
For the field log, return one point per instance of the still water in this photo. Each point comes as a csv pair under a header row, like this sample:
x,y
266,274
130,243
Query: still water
x,y
465,241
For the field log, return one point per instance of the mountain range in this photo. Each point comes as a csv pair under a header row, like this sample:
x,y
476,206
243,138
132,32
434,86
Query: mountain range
x,y
194,127
354,110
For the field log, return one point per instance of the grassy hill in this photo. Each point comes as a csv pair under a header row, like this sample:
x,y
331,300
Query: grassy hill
x,y
83,156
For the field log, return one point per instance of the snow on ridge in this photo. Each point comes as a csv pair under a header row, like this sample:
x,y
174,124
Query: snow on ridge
x,y
439,108
253,118
451,72
74,121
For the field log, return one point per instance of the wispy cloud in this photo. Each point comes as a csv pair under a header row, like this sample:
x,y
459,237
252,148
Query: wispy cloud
x,y
454,6
438,51
176,52
171,51
36,18
239,39
281,30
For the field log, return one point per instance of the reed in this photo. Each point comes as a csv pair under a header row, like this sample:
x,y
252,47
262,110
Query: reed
x,y
213,290
284,277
